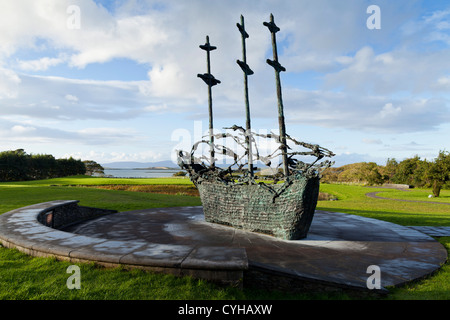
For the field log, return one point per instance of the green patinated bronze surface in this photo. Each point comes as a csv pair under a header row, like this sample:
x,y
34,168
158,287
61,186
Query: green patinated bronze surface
x,y
255,208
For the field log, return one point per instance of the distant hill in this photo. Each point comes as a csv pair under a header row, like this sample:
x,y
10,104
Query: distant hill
x,y
139,165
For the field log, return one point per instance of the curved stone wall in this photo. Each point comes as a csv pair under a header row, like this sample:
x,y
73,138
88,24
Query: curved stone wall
x,y
33,230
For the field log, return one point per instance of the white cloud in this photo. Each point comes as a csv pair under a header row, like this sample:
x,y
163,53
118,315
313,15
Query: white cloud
x,y
46,98
386,81
72,98
108,135
156,108
378,114
40,64
19,129
168,39
372,141
108,157
392,72
411,147
438,22
390,111
9,83
443,83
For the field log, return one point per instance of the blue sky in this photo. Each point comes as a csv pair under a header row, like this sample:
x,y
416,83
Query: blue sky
x,y
116,80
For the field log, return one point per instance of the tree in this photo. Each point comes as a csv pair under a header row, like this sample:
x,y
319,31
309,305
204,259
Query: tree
x,y
389,170
351,173
439,172
41,166
19,166
70,167
93,167
369,172
406,172
330,175
420,178
14,165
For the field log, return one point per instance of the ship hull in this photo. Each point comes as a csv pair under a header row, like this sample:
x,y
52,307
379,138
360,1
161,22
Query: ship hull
x,y
254,207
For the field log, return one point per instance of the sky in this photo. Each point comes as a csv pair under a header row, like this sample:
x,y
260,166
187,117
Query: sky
x,y
115,81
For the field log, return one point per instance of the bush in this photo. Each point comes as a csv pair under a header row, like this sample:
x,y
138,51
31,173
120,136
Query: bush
x,y
411,171
180,174
19,166
359,173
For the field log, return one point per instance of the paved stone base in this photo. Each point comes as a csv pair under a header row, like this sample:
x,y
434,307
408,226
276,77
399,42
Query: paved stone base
x,y
335,255
433,231
22,229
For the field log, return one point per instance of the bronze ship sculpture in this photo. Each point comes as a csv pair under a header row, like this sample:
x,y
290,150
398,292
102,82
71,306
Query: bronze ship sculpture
x,y
281,205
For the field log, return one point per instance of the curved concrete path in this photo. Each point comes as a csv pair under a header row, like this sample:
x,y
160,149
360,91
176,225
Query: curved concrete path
x,y
375,195
336,254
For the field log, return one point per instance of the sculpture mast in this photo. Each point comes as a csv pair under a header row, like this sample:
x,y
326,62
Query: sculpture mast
x,y
278,68
209,79
247,71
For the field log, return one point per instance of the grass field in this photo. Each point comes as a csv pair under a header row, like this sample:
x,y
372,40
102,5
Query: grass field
x,y
353,199
24,277
88,180
417,195
19,194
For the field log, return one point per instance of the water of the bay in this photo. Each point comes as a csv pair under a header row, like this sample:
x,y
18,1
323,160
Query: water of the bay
x,y
139,173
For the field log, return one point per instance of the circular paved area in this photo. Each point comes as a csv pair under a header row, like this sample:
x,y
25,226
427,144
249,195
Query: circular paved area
x,y
339,247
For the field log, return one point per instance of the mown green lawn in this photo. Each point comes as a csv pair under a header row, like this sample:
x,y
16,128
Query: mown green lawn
x,y
88,180
28,278
19,196
353,200
24,277
417,195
